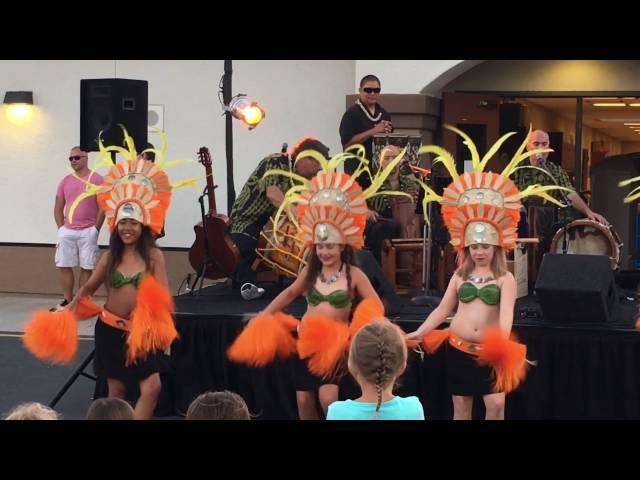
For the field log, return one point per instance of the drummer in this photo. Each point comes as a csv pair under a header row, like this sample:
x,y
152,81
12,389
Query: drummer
x,y
258,200
380,222
546,222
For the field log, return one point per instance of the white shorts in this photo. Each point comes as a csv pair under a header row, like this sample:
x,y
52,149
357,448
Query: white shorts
x,y
77,248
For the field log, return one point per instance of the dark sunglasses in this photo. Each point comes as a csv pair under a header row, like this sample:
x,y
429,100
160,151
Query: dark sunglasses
x,y
371,90
76,157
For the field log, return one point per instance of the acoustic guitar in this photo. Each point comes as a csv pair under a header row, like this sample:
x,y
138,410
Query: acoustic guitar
x,y
223,255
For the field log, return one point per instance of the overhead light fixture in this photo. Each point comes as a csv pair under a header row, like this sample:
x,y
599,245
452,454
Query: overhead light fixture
x,y
625,120
246,110
19,106
610,104
634,104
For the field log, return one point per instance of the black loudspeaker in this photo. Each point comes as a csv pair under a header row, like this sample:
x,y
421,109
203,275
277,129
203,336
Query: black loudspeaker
x,y
105,103
510,115
556,142
576,289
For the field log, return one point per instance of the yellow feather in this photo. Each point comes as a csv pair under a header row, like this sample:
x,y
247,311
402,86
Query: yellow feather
x,y
173,163
475,156
540,191
317,156
493,150
443,157
285,173
519,158
77,201
391,192
128,141
188,182
628,181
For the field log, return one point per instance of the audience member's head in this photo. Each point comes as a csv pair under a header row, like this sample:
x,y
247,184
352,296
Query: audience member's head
x,y
32,411
224,405
110,409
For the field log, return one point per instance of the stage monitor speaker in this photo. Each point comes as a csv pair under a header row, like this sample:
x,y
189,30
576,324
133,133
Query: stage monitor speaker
x,y
105,103
576,289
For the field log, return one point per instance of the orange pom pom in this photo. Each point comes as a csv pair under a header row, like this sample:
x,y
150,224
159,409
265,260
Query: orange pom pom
x,y
152,325
367,311
52,336
507,357
324,342
266,337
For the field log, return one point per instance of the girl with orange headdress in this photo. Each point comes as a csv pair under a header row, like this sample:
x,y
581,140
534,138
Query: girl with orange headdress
x,y
331,214
135,326
481,211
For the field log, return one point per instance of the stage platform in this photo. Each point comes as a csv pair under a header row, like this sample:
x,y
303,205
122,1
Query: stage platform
x,y
588,371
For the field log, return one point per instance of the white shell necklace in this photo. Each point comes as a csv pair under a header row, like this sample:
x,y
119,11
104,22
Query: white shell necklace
x,y
366,112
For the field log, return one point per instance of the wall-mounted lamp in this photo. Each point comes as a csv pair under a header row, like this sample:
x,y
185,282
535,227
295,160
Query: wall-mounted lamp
x,y
19,106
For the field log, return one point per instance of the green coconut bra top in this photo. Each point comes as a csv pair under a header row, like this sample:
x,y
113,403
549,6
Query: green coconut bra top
x,y
118,279
337,298
489,294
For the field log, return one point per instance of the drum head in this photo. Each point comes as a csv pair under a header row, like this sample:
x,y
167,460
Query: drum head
x,y
586,237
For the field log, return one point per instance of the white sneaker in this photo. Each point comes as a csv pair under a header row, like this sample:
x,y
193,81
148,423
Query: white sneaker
x,y
60,306
249,291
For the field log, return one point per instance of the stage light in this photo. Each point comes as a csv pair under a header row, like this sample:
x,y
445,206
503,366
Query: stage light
x,y
246,110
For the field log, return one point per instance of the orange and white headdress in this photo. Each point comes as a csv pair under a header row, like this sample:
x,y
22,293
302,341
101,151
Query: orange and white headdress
x,y
332,207
133,188
483,207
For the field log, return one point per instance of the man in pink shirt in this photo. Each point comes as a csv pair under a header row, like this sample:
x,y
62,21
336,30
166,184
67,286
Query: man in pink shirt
x,y
78,241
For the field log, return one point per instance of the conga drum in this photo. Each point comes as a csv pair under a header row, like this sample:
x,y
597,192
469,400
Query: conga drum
x,y
282,249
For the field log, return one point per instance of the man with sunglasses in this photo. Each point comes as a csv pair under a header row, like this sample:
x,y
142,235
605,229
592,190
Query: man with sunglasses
x,y
362,121
78,241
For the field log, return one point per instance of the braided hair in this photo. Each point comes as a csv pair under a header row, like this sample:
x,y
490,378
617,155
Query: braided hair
x,y
377,356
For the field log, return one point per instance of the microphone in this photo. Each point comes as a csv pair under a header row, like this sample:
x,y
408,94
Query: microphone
x,y
284,147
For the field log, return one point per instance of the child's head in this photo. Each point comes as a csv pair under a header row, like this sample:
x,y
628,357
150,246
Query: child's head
x,y
224,405
32,411
110,409
378,355
328,253
129,232
481,254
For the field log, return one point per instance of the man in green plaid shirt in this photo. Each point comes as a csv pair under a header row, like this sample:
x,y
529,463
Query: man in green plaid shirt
x,y
543,225
259,200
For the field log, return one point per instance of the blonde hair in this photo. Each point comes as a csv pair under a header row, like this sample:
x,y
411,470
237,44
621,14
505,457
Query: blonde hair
x,y
498,263
378,355
32,411
224,405
110,409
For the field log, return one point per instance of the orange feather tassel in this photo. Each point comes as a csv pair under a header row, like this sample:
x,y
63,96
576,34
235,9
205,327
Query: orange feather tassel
x,y
324,342
507,357
367,311
266,337
52,336
152,325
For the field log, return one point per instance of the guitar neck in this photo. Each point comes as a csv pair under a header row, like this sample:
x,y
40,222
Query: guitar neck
x,y
211,193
